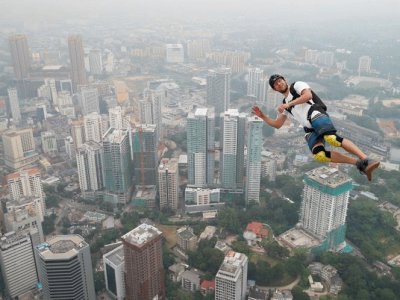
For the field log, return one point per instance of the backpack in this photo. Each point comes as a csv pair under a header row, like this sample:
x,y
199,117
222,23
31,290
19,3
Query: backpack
x,y
317,100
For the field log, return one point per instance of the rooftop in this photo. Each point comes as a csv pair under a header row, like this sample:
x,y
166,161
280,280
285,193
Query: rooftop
x,y
115,136
145,127
30,172
141,235
298,237
185,233
116,256
192,275
328,176
168,164
207,284
201,112
52,68
146,192
174,46
232,262
258,228
13,238
62,247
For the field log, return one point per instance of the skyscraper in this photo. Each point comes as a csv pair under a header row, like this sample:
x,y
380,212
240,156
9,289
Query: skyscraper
x,y
96,62
114,272
145,155
25,214
117,166
218,89
151,111
49,141
254,77
116,117
92,123
51,83
143,263
65,268
262,89
89,100
364,65
89,160
253,166
20,56
168,183
201,147
77,57
326,58
324,207
175,53
231,279
197,49
233,127
78,132
14,105
17,263
25,183
19,148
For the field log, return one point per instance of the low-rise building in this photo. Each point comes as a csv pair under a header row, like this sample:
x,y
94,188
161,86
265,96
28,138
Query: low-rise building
x,y
255,232
191,280
207,287
175,271
256,294
282,295
208,233
222,246
329,274
186,239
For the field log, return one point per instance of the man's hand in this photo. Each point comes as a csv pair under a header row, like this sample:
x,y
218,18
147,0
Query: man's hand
x,y
257,111
282,107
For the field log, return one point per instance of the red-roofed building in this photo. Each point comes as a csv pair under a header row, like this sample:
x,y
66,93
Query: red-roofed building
x,y
255,232
258,228
207,286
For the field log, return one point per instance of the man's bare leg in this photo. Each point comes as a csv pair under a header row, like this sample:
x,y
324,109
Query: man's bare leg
x,y
340,158
337,157
350,147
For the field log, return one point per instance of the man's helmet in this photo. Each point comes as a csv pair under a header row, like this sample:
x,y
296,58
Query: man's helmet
x,y
274,78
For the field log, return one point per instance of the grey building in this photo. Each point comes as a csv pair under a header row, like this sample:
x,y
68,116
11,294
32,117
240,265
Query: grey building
x,y
77,58
201,147
218,89
17,263
233,126
114,272
145,156
20,55
191,280
65,268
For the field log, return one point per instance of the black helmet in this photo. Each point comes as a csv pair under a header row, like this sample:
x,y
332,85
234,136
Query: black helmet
x,y
274,78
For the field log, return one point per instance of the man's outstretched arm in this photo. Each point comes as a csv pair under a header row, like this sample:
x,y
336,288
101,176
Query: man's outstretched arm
x,y
276,123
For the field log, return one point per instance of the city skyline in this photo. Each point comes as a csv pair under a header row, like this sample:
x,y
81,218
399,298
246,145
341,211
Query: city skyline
x,y
134,167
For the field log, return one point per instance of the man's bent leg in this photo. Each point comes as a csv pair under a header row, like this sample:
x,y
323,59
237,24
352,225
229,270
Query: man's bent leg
x,y
350,147
346,144
322,155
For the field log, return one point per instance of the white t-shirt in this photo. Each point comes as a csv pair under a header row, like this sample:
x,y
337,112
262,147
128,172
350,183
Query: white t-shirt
x,y
299,111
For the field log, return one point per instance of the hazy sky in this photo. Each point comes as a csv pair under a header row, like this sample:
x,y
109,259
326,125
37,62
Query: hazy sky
x,y
287,10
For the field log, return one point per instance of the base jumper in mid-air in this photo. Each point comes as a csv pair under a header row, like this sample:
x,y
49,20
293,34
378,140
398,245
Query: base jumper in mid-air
x,y
303,105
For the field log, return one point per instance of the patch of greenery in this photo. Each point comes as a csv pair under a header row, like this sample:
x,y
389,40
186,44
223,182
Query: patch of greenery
x,y
206,258
372,230
48,224
359,282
